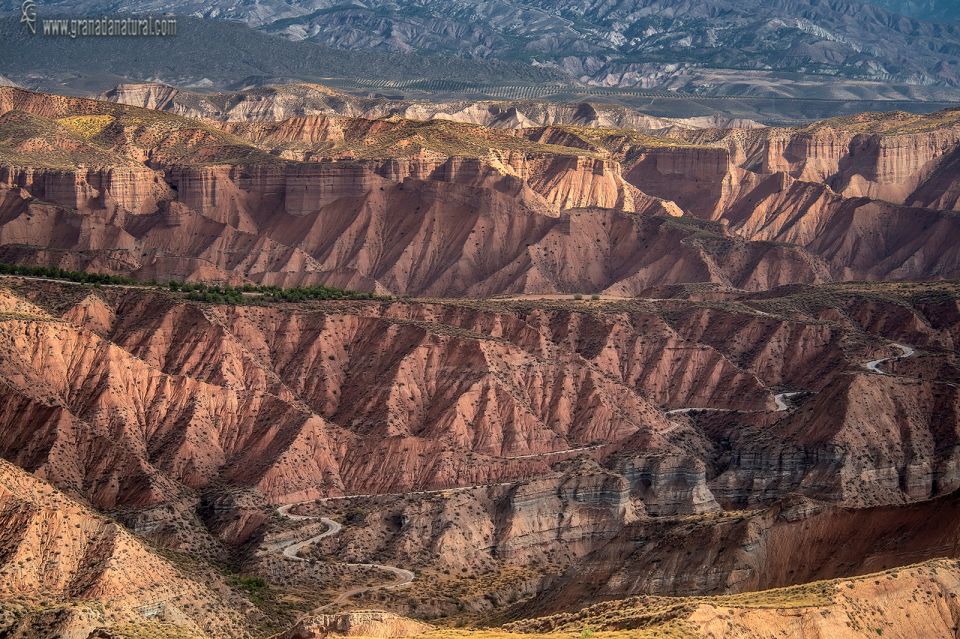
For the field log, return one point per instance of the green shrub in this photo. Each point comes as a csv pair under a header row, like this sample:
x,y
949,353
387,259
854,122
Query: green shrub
x,y
255,587
61,274
199,291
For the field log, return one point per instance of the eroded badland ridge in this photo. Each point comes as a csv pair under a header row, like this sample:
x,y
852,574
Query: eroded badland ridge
x,y
537,452
617,377
441,207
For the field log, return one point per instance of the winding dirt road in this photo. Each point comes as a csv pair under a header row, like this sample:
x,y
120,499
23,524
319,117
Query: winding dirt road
x,y
402,576
554,453
779,398
291,550
874,365
690,409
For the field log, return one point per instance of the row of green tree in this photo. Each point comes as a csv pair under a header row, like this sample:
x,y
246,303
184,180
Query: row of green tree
x,y
220,293
72,276
198,291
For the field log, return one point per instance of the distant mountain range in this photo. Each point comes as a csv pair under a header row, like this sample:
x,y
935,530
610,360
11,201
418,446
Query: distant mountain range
x,y
686,45
935,10
218,53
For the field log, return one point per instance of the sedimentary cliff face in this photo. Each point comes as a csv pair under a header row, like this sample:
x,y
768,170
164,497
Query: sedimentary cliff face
x,y
555,518
815,195
881,156
136,190
453,239
751,551
857,237
701,180
237,195
886,165
941,190
447,208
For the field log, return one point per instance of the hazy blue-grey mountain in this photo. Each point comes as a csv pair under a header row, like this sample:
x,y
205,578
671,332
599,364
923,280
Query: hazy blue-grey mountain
x,y
216,53
688,45
934,10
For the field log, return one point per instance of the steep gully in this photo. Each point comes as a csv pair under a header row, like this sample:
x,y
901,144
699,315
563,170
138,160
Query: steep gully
x,y
404,577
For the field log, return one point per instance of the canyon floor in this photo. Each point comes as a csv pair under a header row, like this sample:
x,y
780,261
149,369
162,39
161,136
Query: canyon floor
x,y
285,362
